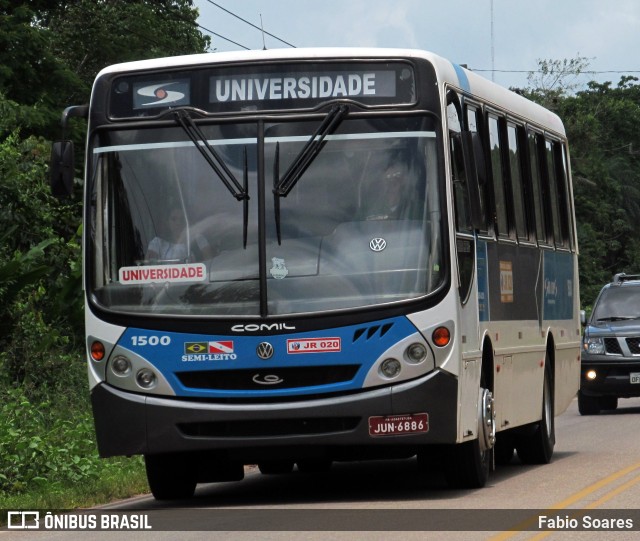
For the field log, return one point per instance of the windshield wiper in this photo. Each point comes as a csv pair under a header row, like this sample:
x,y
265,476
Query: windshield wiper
x,y
240,192
282,186
616,318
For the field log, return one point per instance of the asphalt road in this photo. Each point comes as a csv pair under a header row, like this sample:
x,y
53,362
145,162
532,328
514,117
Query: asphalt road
x,y
595,469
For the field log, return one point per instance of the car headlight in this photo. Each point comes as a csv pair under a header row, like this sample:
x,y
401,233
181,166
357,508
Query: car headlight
x,y
594,346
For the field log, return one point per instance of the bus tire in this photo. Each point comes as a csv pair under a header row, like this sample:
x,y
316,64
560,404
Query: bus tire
x,y
588,405
536,445
469,463
171,476
467,466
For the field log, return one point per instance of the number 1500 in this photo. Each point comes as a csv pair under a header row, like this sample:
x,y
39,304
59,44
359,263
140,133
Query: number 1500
x,y
150,340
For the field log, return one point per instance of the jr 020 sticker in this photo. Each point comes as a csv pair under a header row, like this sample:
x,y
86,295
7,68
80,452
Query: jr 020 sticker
x,y
314,345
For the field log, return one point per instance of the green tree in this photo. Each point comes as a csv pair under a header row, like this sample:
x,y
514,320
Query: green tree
x,y
555,79
50,52
601,122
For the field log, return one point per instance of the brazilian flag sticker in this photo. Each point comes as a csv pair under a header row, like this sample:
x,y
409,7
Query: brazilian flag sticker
x,y
196,347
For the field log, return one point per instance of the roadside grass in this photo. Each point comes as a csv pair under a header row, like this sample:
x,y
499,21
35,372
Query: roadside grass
x,y
119,478
49,457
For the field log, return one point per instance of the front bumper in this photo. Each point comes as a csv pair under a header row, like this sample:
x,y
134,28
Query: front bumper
x,y
129,423
613,378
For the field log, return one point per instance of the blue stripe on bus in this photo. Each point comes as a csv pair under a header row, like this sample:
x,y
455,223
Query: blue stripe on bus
x,y
483,281
558,286
523,283
463,80
172,353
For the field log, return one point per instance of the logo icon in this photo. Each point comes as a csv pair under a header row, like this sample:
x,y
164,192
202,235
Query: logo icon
x,y
378,244
270,379
23,520
264,350
167,93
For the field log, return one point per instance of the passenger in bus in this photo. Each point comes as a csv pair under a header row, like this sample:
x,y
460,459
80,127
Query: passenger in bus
x,y
172,248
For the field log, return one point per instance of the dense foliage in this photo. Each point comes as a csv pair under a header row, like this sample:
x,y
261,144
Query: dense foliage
x,y
602,122
602,125
49,54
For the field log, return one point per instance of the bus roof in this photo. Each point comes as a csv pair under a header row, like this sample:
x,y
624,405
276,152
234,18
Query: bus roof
x,y
448,73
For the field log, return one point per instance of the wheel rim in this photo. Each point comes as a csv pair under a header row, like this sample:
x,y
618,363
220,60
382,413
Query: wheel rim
x,y
548,414
487,418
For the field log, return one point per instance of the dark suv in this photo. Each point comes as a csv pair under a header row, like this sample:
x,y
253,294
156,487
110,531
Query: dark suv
x,y
611,347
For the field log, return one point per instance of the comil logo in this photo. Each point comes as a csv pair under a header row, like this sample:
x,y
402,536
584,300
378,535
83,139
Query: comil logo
x,y
269,327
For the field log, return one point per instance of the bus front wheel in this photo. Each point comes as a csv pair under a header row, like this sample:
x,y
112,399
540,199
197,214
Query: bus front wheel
x,y
469,463
171,476
467,466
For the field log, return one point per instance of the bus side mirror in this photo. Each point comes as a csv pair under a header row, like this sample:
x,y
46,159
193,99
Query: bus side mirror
x,y
473,180
61,169
61,166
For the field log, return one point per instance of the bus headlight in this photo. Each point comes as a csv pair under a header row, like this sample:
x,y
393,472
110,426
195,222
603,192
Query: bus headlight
x,y
121,366
594,346
415,353
390,368
146,378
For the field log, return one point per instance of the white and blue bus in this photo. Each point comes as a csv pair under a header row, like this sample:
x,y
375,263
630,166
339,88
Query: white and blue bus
x,y
296,257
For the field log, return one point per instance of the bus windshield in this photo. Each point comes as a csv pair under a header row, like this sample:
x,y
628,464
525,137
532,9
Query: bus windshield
x,y
361,226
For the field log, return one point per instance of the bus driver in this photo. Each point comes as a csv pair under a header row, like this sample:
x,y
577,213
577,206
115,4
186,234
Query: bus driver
x,y
392,197
173,247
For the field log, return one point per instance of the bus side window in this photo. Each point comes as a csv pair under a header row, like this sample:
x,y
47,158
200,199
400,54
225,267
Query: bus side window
x,y
473,119
537,188
563,175
459,174
462,199
557,194
561,211
499,185
517,185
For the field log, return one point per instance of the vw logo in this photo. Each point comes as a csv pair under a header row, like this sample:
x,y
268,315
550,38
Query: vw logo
x,y
264,350
378,244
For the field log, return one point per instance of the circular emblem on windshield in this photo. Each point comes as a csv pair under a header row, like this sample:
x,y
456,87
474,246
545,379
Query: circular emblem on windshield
x,y
378,244
264,350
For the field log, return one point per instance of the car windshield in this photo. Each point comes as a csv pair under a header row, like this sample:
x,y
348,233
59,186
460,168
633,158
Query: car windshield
x,y
618,303
360,226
